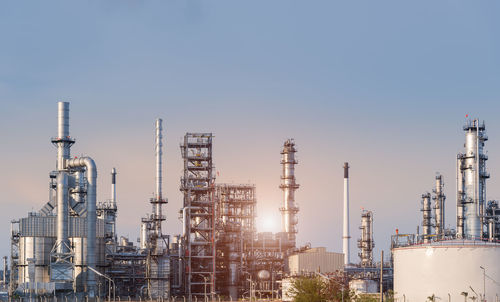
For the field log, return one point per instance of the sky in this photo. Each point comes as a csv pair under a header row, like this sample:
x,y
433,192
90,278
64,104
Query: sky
x,y
384,85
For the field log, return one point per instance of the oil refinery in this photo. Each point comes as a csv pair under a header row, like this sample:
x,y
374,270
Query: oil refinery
x,y
70,247
454,263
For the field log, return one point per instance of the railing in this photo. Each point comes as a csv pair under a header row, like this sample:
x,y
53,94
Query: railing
x,y
405,240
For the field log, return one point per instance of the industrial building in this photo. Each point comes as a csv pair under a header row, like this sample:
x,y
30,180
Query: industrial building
x,y
315,260
455,263
71,247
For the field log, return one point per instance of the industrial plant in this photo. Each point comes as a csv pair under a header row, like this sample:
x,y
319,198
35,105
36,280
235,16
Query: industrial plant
x,y
71,249
451,264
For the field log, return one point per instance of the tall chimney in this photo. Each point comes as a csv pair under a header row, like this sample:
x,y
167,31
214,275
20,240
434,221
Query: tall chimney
x,y
113,186
63,140
346,237
158,192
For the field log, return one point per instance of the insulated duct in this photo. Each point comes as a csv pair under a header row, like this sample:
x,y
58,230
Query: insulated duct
x,y
89,164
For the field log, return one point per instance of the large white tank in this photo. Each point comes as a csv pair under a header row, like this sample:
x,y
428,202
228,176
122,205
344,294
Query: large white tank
x,y
447,270
363,286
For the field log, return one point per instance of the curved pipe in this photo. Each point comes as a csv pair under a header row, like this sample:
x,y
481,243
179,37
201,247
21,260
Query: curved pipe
x,y
90,166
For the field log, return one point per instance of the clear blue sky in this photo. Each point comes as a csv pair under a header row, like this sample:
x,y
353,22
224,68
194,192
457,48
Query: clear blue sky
x,y
384,85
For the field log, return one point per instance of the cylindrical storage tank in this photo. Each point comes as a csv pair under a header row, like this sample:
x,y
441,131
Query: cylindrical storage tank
x,y
447,270
363,286
39,249
80,249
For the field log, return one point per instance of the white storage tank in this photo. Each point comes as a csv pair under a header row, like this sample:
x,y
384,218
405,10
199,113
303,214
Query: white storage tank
x,y
363,286
447,270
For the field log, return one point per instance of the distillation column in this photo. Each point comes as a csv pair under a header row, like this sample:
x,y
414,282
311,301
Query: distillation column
x,y
366,243
289,209
346,237
426,216
439,208
472,168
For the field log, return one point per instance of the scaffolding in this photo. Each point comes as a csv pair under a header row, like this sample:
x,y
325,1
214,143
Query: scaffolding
x,y
235,229
267,264
197,185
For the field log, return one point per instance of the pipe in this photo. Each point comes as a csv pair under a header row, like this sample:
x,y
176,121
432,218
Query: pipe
x,y
460,197
381,276
346,237
5,270
62,213
184,223
91,169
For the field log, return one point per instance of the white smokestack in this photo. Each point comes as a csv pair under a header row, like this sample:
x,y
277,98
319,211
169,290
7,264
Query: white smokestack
x,y
346,237
113,186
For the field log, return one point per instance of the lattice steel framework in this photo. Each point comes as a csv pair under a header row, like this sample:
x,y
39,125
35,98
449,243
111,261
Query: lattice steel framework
x,y
235,226
197,184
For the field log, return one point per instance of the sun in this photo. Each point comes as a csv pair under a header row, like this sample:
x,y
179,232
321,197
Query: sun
x,y
268,223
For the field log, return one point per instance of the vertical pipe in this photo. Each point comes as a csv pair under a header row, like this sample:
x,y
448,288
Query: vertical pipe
x,y
179,254
346,237
62,213
460,195
91,169
382,276
158,192
4,269
479,187
184,223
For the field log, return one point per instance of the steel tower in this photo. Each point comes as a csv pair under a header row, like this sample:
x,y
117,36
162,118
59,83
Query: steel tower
x,y
197,184
289,209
